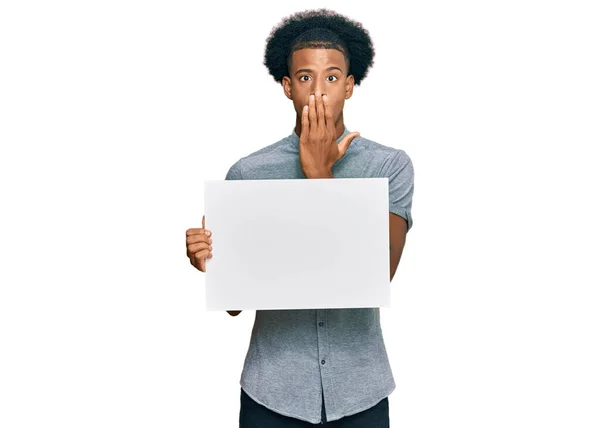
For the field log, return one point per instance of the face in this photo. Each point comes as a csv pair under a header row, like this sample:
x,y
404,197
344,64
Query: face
x,y
318,70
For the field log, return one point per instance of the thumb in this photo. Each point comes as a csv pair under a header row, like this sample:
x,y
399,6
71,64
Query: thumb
x,y
203,222
345,143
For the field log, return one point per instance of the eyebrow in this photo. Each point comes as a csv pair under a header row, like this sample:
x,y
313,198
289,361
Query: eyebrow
x,y
308,70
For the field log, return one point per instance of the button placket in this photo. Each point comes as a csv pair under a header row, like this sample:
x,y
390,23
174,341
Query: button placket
x,y
321,336
323,356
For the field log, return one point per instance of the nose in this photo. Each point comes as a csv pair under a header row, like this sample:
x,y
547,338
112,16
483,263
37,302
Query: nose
x,y
318,87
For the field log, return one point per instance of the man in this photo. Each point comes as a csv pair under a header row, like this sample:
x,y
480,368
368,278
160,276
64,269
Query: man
x,y
327,366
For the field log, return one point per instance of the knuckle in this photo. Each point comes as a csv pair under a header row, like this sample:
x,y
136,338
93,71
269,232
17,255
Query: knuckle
x,y
192,231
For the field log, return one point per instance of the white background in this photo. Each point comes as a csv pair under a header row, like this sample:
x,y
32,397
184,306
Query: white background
x,y
113,113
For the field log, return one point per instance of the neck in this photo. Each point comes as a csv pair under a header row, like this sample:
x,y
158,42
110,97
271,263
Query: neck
x,y
339,126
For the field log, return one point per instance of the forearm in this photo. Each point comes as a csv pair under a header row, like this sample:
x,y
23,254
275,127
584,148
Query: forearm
x,y
395,255
392,272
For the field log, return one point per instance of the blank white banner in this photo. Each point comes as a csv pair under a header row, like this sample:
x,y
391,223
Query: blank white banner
x,y
298,244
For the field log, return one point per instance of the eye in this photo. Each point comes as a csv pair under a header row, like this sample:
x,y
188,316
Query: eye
x,y
334,78
302,78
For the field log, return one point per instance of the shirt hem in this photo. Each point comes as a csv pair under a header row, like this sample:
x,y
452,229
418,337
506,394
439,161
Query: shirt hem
x,y
362,409
290,415
334,417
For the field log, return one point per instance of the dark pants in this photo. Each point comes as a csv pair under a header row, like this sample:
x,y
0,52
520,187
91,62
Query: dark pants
x,y
254,415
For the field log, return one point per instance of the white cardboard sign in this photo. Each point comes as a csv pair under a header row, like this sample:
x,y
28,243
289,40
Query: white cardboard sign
x,y
298,244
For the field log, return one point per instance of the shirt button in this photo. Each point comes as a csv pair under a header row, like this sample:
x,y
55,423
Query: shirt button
x,y
323,362
320,324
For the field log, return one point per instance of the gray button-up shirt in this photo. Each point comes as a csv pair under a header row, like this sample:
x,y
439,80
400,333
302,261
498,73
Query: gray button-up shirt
x,y
299,359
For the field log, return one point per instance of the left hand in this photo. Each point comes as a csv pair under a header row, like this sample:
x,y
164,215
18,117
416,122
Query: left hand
x,y
319,149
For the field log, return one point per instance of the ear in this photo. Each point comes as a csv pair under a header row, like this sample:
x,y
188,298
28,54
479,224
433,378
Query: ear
x,y
349,86
287,86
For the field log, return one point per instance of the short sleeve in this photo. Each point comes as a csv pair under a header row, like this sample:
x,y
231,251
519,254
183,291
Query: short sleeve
x,y
235,172
399,170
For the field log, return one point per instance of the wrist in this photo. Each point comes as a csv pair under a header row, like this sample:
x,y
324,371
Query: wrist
x,y
318,174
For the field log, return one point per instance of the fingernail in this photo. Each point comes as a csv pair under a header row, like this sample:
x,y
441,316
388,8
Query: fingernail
x,y
207,232
312,97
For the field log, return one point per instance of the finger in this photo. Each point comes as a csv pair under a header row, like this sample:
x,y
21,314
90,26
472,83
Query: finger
x,y
345,143
191,235
200,259
312,113
329,125
194,248
203,262
206,231
320,111
194,231
193,239
195,262
304,131
200,244
202,254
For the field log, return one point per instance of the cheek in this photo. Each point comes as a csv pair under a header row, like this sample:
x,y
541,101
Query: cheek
x,y
337,100
298,106
299,99
337,106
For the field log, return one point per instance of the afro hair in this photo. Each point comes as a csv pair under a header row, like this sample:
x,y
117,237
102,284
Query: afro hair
x,y
321,28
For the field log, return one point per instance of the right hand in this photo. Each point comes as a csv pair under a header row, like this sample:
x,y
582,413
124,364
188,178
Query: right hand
x,y
199,246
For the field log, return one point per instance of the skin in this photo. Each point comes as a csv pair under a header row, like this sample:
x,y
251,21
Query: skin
x,y
320,76
318,86
319,72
